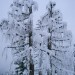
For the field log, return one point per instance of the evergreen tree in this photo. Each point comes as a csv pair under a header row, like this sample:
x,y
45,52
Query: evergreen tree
x,y
19,27
54,42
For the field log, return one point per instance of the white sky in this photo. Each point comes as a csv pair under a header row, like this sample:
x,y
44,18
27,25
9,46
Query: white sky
x,y
67,8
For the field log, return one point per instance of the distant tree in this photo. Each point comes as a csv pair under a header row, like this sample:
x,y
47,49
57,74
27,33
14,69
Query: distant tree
x,y
74,59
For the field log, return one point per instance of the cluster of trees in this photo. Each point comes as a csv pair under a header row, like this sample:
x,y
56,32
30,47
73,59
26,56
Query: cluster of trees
x,y
40,51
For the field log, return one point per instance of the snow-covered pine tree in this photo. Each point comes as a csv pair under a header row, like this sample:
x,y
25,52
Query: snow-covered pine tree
x,y
52,43
19,27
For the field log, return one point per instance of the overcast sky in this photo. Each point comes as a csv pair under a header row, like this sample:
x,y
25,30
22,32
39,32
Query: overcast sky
x,y
67,7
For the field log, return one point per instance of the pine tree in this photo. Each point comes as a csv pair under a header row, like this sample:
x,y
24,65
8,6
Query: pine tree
x,y
19,27
54,42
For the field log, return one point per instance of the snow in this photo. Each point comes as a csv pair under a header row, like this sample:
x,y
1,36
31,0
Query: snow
x,y
51,41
